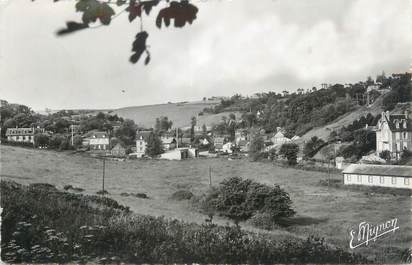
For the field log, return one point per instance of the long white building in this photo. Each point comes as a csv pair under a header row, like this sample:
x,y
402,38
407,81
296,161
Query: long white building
x,y
390,176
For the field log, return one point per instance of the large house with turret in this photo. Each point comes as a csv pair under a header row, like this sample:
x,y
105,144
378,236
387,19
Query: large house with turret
x,y
394,134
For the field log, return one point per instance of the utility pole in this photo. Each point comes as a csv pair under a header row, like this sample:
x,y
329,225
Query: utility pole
x,y
104,169
72,135
210,176
177,138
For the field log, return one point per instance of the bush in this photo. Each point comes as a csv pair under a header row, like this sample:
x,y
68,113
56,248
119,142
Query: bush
x,y
290,152
386,154
241,199
263,221
182,195
137,195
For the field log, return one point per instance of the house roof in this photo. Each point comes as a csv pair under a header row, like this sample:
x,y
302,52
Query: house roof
x,y
143,135
167,140
96,134
118,146
19,131
279,135
392,119
379,170
99,141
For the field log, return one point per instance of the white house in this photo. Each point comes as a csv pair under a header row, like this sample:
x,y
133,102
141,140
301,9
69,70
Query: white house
x,y
279,137
394,133
99,141
141,142
22,135
168,141
227,148
378,175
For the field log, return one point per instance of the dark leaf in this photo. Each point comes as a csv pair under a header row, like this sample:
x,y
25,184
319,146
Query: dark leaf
x,y
134,9
147,60
93,10
148,5
139,46
182,13
72,26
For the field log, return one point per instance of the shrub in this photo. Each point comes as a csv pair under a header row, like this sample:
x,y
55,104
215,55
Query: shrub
x,y
241,199
290,152
263,221
386,154
182,195
137,195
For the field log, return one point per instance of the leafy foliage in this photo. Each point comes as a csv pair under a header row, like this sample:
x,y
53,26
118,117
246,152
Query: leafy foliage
x,y
401,90
154,145
256,146
139,46
241,199
386,154
364,142
290,152
182,12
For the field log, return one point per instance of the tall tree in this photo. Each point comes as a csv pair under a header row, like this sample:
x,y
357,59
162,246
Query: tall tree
x,y
154,145
193,122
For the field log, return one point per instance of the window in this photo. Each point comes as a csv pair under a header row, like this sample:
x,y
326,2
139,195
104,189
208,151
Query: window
x,y
406,181
397,124
359,178
393,180
405,135
370,179
382,180
348,177
397,135
24,138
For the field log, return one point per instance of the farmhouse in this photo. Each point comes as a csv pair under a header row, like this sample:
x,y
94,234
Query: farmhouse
x,y
118,150
394,134
22,135
168,141
279,137
241,135
378,175
219,141
180,154
228,148
99,141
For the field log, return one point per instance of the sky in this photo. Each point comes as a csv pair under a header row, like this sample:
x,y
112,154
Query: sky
x,y
234,46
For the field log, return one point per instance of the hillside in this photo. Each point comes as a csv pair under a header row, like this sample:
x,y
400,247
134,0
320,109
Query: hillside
x,y
375,109
179,113
323,132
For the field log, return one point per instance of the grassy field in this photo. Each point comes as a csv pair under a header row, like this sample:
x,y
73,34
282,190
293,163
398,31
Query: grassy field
x,y
321,211
179,113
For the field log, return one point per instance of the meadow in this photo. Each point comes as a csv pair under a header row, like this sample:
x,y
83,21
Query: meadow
x,y
321,211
